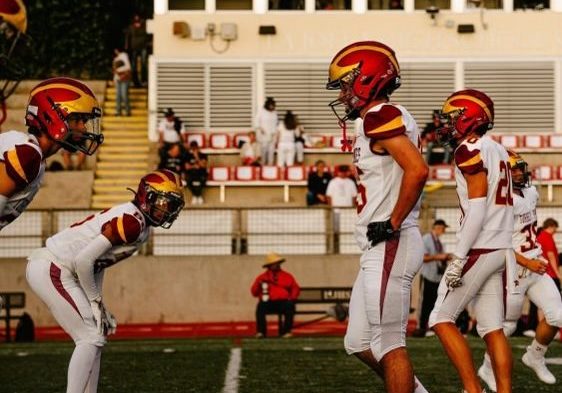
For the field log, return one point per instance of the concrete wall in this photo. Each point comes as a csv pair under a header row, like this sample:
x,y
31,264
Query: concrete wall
x,y
191,289
411,35
65,190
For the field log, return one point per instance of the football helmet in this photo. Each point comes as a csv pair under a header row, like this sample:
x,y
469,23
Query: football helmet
x,y
520,175
13,25
68,112
465,111
363,71
160,197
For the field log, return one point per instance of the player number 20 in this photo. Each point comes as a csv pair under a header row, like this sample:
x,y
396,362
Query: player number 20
x,y
503,193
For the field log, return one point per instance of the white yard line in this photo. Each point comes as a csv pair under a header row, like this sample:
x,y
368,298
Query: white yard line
x,y
233,371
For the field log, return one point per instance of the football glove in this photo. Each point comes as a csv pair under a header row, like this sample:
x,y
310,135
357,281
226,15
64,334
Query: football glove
x,y
98,311
380,231
453,272
109,323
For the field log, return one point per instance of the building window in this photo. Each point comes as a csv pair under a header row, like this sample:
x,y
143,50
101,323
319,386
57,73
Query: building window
x,y
531,4
234,4
186,5
286,5
441,4
328,5
386,4
488,4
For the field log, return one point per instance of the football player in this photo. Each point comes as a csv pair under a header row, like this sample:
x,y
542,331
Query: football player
x,y
539,287
61,113
68,273
391,174
484,239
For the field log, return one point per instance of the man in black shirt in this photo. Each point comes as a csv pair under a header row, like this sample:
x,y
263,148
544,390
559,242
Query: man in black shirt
x,y
317,184
196,166
174,159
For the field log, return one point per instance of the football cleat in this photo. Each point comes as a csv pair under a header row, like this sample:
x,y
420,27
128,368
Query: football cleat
x,y
487,375
537,364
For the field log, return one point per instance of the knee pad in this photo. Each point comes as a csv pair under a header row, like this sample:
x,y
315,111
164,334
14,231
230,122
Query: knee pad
x,y
91,337
509,327
554,317
354,344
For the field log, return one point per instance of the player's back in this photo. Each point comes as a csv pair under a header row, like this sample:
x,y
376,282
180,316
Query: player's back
x,y
379,175
23,160
126,220
525,225
484,154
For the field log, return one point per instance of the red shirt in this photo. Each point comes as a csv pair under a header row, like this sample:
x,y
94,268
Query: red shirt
x,y
546,240
281,285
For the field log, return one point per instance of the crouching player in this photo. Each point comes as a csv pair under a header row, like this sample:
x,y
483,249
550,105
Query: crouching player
x,y
67,274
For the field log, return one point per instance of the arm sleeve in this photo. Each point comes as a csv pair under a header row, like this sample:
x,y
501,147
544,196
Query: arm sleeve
x,y
84,264
472,226
385,123
256,286
295,290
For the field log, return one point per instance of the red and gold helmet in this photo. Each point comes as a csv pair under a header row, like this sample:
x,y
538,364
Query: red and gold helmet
x,y
68,112
466,111
520,175
160,197
363,71
13,25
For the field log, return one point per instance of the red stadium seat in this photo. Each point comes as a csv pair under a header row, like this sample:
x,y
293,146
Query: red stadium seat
x,y
555,140
198,137
295,173
510,141
442,172
220,173
544,172
270,172
317,141
239,138
219,141
246,173
534,141
559,172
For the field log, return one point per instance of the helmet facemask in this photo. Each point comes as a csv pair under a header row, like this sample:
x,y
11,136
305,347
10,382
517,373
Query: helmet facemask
x,y
84,132
345,106
162,208
447,135
520,175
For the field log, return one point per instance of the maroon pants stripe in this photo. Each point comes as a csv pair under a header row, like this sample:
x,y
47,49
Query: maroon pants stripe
x,y
55,273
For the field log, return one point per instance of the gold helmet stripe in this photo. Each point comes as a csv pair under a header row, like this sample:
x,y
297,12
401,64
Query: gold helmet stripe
x,y
346,69
84,98
167,184
448,107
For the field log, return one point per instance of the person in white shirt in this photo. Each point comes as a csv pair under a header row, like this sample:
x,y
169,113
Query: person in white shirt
x,y
250,152
286,134
122,77
265,125
169,129
342,190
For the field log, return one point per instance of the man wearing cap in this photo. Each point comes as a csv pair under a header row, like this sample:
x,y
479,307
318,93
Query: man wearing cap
x,y
277,291
169,130
434,264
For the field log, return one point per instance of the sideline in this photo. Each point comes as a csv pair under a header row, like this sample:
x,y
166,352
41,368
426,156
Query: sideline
x,y
233,371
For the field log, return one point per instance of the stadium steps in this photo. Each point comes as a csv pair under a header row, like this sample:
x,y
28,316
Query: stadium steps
x,y
124,156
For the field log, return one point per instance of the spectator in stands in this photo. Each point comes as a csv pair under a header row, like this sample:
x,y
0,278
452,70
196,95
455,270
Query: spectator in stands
x,y
285,140
174,160
196,172
250,151
277,291
434,264
170,131
341,191
136,44
317,184
429,138
265,125
122,77
300,142
67,160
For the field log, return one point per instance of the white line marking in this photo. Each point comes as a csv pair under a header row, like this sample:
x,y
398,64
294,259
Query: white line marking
x,y
233,371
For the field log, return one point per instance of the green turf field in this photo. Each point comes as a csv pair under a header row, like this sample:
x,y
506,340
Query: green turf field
x,y
274,365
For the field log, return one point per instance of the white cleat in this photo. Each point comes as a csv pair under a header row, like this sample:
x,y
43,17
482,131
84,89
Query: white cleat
x,y
539,367
487,375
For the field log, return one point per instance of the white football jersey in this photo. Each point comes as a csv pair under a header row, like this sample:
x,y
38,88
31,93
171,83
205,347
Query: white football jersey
x,y
378,175
484,154
126,220
23,159
525,230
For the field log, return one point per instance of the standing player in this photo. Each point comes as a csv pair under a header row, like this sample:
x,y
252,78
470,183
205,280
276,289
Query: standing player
x,y
539,287
61,113
68,274
483,241
391,174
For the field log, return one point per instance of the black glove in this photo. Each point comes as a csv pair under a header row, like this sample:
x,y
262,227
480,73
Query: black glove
x,y
380,231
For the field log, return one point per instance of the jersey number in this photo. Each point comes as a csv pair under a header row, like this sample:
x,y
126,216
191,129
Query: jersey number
x,y
530,232
503,193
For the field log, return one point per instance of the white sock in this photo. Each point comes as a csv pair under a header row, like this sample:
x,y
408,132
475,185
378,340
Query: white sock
x,y
419,387
80,367
92,386
487,361
537,349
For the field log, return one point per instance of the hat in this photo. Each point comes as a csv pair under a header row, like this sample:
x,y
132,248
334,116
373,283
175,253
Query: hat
x,y
273,258
440,222
169,112
269,100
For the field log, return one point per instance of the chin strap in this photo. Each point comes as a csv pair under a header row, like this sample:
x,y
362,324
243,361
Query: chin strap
x,y
346,144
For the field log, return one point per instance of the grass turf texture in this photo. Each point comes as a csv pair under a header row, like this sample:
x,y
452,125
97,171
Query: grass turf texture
x,y
274,365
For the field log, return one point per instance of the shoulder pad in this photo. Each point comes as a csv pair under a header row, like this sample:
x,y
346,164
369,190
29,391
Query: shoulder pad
x,y
22,164
385,123
126,227
468,157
